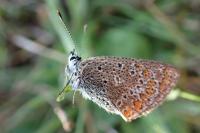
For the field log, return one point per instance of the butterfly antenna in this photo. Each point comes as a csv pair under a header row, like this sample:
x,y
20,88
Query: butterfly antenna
x,y
65,86
61,18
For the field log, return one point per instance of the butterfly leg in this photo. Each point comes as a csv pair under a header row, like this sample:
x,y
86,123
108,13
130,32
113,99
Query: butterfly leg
x,y
76,84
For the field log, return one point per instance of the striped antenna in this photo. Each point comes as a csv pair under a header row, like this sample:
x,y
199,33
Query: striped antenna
x,y
69,34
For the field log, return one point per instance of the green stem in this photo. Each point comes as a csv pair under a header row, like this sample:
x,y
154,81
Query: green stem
x,y
178,93
189,96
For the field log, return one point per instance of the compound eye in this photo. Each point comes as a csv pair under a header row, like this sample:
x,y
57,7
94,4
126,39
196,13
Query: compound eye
x,y
72,58
78,58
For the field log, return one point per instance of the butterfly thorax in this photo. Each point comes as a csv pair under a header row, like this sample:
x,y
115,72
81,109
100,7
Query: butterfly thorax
x,y
80,79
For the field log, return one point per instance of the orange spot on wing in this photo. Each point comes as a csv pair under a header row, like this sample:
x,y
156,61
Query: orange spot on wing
x,y
150,89
139,66
137,105
151,83
128,112
146,73
143,97
165,84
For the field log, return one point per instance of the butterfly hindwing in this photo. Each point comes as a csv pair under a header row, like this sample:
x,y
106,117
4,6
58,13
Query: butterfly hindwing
x,y
124,86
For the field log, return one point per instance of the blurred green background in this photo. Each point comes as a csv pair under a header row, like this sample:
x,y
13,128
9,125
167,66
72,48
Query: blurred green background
x,y
33,53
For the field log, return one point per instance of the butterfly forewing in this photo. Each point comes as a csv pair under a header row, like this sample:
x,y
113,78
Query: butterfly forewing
x,y
124,86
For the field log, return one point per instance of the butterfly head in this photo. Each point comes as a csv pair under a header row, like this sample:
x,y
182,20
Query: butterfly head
x,y
73,61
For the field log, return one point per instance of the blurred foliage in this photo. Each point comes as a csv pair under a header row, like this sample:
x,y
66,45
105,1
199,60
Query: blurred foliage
x,y
168,31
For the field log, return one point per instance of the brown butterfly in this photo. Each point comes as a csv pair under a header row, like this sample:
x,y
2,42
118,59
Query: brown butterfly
x,y
123,86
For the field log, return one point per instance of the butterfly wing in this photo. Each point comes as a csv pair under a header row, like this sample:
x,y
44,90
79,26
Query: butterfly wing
x,y
127,87
146,85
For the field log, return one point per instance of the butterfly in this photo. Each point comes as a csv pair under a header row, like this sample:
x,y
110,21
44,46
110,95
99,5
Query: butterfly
x,y
124,86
